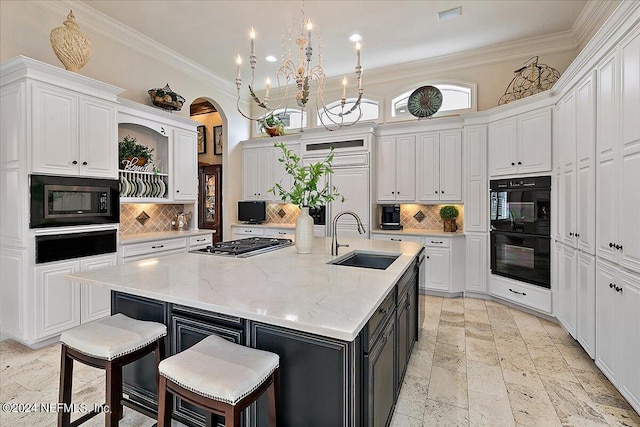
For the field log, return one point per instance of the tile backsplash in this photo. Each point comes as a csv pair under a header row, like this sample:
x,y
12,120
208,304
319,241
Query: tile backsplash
x,y
410,215
282,213
160,217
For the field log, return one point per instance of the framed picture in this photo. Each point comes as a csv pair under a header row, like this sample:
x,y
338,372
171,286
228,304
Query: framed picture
x,y
217,140
202,139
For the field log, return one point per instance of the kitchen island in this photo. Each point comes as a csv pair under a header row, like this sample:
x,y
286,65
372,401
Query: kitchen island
x,y
344,334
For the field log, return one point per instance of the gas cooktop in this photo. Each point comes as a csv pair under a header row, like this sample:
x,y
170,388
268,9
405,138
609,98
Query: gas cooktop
x,y
243,248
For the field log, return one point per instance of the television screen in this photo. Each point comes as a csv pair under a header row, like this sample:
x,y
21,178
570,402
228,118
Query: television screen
x,y
252,212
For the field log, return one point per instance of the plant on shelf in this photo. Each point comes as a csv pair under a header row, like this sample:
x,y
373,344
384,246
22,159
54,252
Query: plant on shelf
x,y
128,149
449,214
272,125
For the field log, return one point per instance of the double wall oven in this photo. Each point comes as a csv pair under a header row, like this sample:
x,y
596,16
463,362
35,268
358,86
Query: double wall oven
x,y
520,211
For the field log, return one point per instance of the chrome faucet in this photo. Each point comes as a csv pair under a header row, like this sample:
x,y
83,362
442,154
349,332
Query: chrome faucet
x,y
334,239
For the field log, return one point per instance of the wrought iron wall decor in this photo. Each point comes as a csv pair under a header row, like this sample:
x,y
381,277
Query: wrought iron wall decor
x,y
530,79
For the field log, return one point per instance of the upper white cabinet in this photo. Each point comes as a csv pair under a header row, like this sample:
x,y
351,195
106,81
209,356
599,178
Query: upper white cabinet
x,y
280,174
476,205
520,144
396,168
257,173
618,155
439,166
185,166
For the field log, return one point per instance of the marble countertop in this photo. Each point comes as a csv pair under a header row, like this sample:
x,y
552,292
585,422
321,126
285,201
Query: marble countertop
x,y
126,239
282,288
419,232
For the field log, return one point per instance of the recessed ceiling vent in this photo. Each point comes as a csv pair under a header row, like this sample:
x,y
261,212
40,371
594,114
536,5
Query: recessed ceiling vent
x,y
450,14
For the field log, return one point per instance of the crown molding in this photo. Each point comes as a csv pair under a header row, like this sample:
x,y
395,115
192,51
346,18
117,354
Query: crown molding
x,y
119,32
591,18
517,50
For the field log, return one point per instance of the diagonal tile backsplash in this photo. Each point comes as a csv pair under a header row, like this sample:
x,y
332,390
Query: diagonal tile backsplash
x,y
160,217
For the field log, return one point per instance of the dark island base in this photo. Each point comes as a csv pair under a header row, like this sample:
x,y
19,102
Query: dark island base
x,y
323,381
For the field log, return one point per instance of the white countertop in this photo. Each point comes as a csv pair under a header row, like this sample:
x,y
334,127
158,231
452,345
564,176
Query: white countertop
x,y
419,232
282,287
126,239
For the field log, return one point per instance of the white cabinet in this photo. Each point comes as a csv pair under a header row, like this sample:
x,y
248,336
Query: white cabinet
x,y
520,144
397,237
199,242
243,231
586,302
565,309
353,184
445,264
185,166
438,269
476,195
439,166
618,155
72,134
396,168
131,252
618,337
95,301
477,261
257,173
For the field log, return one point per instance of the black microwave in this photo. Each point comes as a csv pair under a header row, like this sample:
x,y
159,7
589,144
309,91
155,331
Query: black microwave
x,y
63,201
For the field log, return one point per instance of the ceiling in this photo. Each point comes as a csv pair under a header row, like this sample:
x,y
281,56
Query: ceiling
x,y
212,32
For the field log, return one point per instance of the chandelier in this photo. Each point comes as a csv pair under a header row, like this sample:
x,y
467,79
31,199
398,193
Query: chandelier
x,y
529,79
300,73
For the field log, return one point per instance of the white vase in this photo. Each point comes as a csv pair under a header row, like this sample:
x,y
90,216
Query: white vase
x,y
304,232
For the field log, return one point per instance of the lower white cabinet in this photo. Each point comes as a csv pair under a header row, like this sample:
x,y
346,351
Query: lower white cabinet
x,y
565,310
397,238
60,304
586,303
438,268
445,264
531,296
477,262
137,251
617,332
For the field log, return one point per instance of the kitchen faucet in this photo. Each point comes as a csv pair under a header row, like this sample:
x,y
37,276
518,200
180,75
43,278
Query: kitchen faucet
x,y
334,235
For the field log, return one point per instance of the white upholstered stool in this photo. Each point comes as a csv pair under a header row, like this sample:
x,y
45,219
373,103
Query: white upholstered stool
x,y
220,377
109,344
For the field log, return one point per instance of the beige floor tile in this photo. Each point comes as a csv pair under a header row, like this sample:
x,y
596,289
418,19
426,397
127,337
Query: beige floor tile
x,y
486,410
475,315
600,390
432,305
420,364
486,379
531,405
455,305
554,366
619,417
438,414
480,350
478,330
448,387
401,420
577,358
573,405
498,313
449,357
453,335
451,318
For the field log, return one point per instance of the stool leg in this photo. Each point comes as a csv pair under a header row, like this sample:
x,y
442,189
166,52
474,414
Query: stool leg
x,y
114,393
165,404
66,384
272,398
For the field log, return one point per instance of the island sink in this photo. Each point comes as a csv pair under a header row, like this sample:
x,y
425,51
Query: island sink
x,y
378,261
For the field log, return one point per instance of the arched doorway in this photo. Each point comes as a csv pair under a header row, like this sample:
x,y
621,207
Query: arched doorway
x,y
210,149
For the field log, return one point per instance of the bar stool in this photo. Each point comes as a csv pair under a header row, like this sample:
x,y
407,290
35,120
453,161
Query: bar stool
x,y
220,377
108,344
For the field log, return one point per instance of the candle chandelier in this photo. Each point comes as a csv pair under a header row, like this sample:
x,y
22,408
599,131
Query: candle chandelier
x,y
301,73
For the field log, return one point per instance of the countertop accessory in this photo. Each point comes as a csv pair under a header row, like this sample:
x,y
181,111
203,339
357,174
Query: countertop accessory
x,y
425,101
449,214
71,47
529,79
334,231
166,99
181,221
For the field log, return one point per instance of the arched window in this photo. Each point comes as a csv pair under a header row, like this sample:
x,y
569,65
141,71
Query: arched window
x,y
456,98
292,118
370,111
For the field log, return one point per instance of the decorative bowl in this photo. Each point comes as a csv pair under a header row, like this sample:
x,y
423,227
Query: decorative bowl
x,y
166,99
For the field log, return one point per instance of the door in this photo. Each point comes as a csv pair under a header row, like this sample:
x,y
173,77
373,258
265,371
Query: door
x,y
476,200
98,146
386,169
521,257
502,147
450,166
534,142
185,166
380,386
95,301
608,317
428,167
477,262
567,206
57,300
567,289
405,168
210,200
438,267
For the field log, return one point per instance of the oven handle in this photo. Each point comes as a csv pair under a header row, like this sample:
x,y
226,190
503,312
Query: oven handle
x,y
519,293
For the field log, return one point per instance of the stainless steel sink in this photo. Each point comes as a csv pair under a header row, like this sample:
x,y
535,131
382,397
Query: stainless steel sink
x,y
376,260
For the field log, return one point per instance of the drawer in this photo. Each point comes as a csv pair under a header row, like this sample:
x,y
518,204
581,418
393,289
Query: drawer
x,y
197,241
521,293
285,233
248,231
378,318
437,242
153,247
397,238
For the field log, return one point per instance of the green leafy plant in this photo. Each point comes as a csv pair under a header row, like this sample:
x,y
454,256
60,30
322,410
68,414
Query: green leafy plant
x,y
449,212
129,147
306,179
272,122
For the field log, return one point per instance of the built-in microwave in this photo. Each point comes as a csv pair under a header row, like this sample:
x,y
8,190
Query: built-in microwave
x,y
63,201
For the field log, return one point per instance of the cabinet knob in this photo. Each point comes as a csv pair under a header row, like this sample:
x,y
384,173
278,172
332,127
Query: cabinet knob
x,y
75,162
442,192
611,285
519,163
610,244
577,235
84,163
436,191
619,289
427,256
383,311
618,247
177,191
162,131
570,234
513,164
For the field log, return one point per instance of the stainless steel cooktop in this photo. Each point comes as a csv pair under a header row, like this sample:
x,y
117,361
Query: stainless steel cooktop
x,y
243,248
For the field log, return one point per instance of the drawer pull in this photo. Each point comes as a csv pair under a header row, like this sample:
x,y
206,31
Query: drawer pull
x,y
200,240
383,311
282,232
516,292
157,246
395,240
433,241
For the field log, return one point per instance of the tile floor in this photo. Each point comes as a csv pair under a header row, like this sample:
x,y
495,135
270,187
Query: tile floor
x,y
478,363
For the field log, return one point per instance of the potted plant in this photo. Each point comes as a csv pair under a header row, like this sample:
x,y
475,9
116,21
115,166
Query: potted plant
x,y
449,214
306,191
128,149
272,125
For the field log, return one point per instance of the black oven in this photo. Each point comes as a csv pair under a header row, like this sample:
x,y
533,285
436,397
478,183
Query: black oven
x,y
62,201
520,211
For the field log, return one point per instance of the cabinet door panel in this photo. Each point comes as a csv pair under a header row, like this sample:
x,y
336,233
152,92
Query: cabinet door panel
x,y
477,262
568,203
406,168
502,150
57,299
55,130
630,338
265,174
534,142
585,164
451,166
98,146
586,303
567,289
428,167
608,326
476,191
386,169
249,174
185,166
95,301
353,184
438,269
